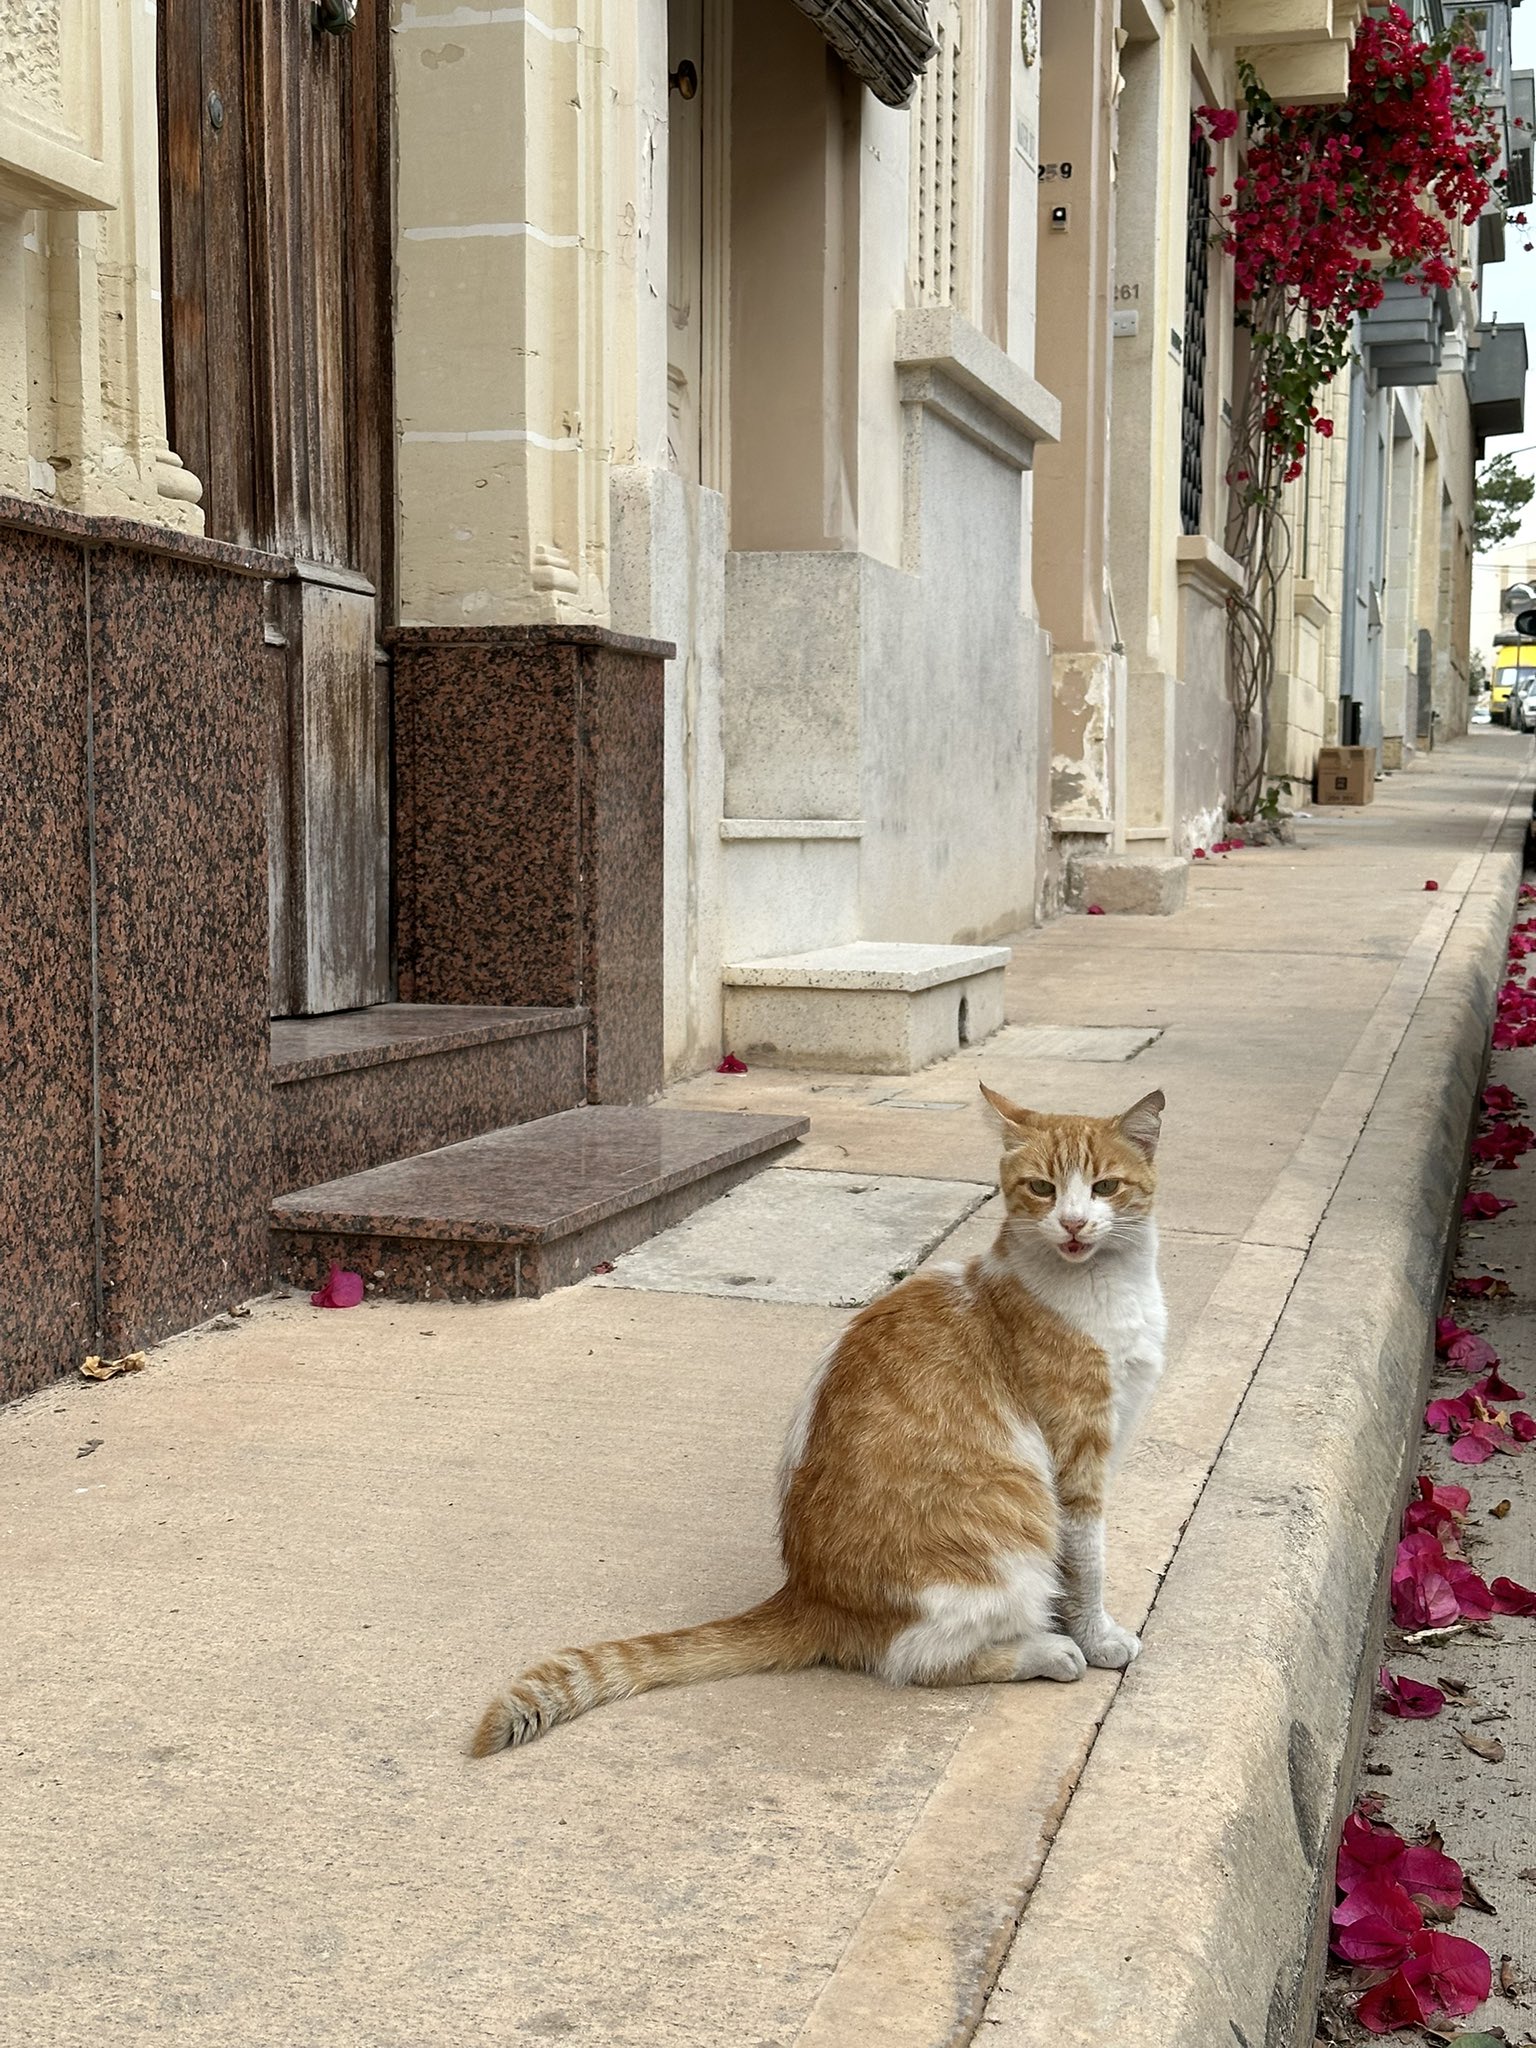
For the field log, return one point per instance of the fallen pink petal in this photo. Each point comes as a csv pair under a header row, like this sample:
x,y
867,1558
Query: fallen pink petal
x,y
1509,1597
1393,2005
1409,1699
1431,885
1456,1974
1095,910
1447,1330
1522,1427
1450,1412
1475,1446
1494,1387
1499,1100
1374,1925
1468,1588
1421,1590
1472,1353
341,1290
731,1065
1481,1204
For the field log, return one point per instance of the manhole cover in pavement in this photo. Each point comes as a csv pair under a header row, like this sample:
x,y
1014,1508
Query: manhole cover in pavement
x,y
836,1239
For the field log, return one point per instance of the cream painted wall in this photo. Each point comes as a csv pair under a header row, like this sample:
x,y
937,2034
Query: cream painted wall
x,y
82,401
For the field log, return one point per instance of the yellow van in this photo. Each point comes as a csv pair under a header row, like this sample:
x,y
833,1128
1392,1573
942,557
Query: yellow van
x,y
1514,670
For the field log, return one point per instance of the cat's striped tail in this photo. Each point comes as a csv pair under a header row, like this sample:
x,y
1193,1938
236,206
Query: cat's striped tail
x,y
777,1636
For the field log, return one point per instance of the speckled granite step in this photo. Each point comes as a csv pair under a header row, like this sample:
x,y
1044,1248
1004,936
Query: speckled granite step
x,y
370,1086
520,1211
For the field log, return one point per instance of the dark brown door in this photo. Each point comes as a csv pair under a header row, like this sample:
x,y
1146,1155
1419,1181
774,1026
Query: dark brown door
x,y
276,269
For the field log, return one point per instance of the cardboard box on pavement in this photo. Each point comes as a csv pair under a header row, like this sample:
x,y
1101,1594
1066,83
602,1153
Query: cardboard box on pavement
x,y
1346,775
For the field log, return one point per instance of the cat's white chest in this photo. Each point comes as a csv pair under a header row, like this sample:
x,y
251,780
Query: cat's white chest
x,y
1119,1306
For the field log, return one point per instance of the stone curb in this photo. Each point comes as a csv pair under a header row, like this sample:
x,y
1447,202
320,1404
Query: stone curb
x,y
1178,1906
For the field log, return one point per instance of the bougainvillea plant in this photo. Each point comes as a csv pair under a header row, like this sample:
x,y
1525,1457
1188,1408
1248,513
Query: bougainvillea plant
x,y
1335,200
1331,203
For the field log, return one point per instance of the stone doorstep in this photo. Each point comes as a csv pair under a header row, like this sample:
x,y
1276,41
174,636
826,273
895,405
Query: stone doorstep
x,y
1119,883
366,1087
871,1007
526,1209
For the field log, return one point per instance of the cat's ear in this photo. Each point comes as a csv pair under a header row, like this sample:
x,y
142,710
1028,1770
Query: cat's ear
x,y
1015,1121
1142,1123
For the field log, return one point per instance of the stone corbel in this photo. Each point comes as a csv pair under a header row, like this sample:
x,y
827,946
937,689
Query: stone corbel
x,y
942,361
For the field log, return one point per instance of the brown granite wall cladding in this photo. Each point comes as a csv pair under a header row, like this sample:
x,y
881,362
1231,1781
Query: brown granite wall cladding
x,y
529,830
181,865
127,663
47,1248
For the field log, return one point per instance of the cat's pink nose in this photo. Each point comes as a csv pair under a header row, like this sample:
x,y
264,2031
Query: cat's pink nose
x,y
1074,1226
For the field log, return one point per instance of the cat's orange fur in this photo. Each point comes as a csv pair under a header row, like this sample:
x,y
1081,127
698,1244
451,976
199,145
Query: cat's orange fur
x,y
943,1489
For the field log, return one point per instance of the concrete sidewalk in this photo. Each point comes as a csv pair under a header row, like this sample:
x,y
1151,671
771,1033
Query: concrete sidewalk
x,y
254,1598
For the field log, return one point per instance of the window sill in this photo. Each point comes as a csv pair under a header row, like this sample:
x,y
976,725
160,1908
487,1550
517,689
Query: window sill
x,y
943,362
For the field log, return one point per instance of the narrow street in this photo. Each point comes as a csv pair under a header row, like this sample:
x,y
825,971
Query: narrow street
x,y
256,1593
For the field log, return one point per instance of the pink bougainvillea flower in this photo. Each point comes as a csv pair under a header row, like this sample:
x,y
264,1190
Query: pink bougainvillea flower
x,y
1501,1101
1469,1590
1455,1974
731,1065
1509,1597
1096,910
1439,1509
1480,1203
1375,1924
1450,1413
1469,1352
1522,1427
1479,1443
1447,1330
1198,854
1494,1387
1408,1699
1479,1287
1421,1591
1431,885
1502,1144
1392,2005
341,1290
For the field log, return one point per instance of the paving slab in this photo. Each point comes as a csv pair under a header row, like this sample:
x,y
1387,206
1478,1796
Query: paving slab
x,y
836,1238
256,1596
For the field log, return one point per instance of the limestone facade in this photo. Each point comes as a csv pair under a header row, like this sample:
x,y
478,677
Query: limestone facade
x,y
880,415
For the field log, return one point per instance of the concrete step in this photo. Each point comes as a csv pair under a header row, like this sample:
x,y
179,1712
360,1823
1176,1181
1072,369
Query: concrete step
x,y
521,1211
370,1086
870,1007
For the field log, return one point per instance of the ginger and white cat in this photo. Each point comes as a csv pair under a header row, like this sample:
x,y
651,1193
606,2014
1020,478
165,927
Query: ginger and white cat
x,y
942,1490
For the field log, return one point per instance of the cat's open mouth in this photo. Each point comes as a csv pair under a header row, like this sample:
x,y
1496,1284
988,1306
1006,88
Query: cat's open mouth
x,y
1075,1248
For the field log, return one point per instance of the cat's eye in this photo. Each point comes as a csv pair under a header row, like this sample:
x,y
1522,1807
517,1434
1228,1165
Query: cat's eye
x,y
1107,1187
1043,1188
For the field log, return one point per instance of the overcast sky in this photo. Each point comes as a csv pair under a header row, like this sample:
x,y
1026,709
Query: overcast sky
x,y
1509,290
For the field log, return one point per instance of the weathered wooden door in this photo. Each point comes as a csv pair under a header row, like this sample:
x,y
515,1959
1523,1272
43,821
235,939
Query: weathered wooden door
x,y
276,269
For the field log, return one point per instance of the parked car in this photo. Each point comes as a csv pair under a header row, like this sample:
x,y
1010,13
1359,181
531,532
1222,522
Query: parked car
x,y
1514,670
1523,716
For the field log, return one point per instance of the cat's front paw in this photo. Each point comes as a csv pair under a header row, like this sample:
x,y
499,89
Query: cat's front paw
x,y
1106,1645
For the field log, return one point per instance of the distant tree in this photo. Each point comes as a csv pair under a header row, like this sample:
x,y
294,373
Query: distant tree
x,y
1502,495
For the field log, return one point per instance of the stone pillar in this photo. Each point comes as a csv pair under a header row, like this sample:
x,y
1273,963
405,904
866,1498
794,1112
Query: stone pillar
x,y
82,396
1071,492
500,338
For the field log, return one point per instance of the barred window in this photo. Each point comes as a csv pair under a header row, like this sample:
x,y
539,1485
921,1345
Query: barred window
x,y
1197,279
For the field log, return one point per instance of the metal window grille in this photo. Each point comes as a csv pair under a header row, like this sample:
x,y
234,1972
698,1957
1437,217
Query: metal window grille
x,y
1197,282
